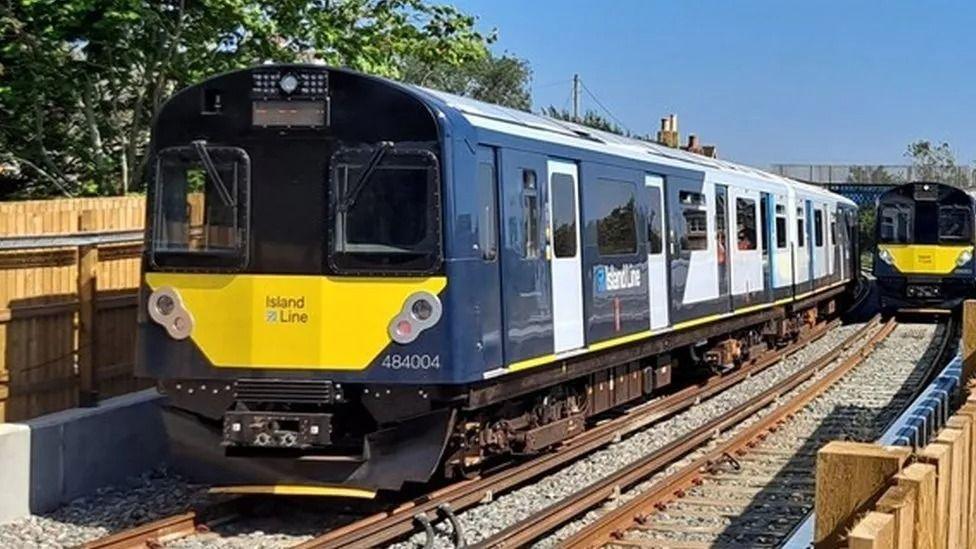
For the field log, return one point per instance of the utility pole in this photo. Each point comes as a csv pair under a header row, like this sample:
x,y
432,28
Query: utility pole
x,y
576,98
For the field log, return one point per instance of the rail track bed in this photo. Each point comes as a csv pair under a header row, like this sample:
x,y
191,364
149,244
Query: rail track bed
x,y
755,485
531,484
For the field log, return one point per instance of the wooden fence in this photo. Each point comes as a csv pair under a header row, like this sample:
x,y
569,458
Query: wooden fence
x,y
67,314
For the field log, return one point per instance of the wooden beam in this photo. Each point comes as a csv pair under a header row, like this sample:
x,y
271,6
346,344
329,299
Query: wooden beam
x,y
960,460
969,411
962,468
87,294
920,478
940,456
850,476
899,502
968,343
874,531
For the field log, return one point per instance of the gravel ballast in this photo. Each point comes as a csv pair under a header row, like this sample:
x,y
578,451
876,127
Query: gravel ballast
x,y
159,494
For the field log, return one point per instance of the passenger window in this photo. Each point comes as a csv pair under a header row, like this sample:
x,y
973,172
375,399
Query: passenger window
x,y
801,234
781,236
563,215
530,215
763,223
818,228
616,225
833,229
487,230
696,221
745,218
655,240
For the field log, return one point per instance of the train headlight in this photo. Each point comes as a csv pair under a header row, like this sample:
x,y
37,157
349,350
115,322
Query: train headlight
x,y
965,257
885,256
420,311
166,309
288,83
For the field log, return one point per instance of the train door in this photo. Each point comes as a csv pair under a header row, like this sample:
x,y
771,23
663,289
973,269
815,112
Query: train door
x,y
833,251
724,257
657,261
692,254
811,256
565,260
487,304
765,224
526,294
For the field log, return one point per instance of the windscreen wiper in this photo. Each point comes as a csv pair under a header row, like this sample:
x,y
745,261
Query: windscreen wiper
x,y
201,147
374,160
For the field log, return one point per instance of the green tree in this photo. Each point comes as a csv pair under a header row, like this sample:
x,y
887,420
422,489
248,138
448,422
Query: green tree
x,y
590,118
872,174
502,80
936,162
81,80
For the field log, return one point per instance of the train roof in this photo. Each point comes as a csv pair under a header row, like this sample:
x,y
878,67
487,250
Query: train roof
x,y
515,122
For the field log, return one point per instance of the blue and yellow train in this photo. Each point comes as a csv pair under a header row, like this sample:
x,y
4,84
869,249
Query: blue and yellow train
x,y
352,283
925,242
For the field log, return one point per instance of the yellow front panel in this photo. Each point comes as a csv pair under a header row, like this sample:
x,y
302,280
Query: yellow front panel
x,y
287,321
935,259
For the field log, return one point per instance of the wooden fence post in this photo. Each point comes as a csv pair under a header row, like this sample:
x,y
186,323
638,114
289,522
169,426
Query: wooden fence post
x,y
968,339
87,295
920,477
940,455
899,502
874,531
850,475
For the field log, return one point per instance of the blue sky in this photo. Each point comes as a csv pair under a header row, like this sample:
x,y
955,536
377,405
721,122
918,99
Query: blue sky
x,y
767,81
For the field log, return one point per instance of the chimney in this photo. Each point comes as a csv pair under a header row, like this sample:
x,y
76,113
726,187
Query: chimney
x,y
668,135
693,145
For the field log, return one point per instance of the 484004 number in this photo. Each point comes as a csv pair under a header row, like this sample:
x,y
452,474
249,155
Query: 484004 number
x,y
412,362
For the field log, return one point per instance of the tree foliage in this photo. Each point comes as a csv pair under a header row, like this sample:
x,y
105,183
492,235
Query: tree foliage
x,y
936,162
80,80
872,174
502,80
590,118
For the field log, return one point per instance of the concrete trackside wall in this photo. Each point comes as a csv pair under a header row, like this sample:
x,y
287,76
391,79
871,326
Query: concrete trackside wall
x,y
53,459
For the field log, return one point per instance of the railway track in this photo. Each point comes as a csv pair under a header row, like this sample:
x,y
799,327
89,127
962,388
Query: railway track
x,y
387,526
754,487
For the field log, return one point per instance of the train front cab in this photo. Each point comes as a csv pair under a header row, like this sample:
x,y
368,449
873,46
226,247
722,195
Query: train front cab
x,y
925,247
295,306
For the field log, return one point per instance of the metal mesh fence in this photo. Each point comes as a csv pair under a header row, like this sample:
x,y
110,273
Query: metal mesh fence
x,y
963,176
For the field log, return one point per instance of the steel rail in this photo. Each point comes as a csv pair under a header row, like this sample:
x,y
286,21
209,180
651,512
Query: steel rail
x,y
605,529
390,525
165,530
801,536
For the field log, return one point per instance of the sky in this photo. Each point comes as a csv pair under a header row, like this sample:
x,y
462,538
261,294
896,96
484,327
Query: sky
x,y
842,82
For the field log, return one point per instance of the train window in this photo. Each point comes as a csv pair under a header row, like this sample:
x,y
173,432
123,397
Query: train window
x,y
201,207
696,230
764,222
745,219
386,210
530,214
563,215
818,228
688,198
655,240
616,225
896,224
955,223
487,230
801,234
781,236
833,228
